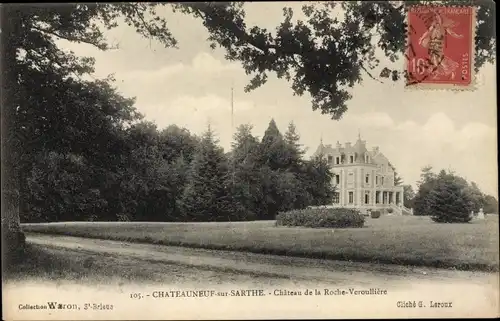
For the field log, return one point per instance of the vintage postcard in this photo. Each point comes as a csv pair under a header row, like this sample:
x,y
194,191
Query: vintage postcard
x,y
249,160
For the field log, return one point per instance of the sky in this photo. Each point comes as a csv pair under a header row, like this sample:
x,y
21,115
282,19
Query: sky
x,y
191,87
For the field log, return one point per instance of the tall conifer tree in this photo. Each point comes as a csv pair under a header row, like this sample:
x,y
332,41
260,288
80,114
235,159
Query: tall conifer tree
x,y
206,196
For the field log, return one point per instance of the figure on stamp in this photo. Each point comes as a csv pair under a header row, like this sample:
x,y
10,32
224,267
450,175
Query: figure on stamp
x,y
434,40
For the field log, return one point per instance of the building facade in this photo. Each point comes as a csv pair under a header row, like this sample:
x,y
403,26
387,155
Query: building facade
x,y
363,179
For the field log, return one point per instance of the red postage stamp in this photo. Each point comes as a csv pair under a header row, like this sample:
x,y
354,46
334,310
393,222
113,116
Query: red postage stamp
x,y
440,47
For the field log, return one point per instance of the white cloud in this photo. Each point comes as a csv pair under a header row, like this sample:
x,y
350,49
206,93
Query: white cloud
x,y
204,62
370,120
201,65
195,113
438,125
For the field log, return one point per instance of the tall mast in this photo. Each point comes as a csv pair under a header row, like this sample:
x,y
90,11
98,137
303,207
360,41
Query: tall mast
x,y
232,129
232,111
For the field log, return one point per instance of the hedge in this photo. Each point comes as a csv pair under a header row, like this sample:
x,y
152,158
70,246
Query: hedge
x,y
321,217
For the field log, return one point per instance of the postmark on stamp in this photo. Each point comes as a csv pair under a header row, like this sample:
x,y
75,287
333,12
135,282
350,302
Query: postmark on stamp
x,y
440,47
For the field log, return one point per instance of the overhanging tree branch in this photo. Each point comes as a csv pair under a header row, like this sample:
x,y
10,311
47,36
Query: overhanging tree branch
x,y
96,43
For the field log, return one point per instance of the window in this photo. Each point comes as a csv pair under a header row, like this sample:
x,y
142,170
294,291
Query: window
x,y
367,179
351,159
330,159
367,198
350,178
337,179
337,160
376,180
382,180
336,198
351,197
377,197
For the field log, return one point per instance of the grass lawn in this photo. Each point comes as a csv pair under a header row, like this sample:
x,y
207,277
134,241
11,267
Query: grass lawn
x,y
404,240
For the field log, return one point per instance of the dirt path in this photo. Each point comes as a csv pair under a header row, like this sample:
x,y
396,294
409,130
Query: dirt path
x,y
271,266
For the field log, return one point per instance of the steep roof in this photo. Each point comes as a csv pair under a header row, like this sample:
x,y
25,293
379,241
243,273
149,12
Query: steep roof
x,y
376,157
360,146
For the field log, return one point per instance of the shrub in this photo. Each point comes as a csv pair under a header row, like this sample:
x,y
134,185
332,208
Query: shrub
x,y
321,217
375,214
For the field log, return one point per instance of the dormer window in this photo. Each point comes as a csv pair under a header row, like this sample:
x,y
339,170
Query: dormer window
x,y
351,159
337,160
330,159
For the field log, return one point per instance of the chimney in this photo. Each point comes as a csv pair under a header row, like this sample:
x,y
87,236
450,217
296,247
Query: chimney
x,y
375,149
338,145
347,145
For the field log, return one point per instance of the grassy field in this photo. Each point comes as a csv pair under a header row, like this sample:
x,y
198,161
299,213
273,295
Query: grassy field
x,y
391,239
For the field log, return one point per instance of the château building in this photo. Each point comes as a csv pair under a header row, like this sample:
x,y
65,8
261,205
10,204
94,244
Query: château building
x,y
364,179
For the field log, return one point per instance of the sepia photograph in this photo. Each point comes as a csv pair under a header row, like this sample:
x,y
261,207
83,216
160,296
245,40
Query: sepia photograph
x,y
249,160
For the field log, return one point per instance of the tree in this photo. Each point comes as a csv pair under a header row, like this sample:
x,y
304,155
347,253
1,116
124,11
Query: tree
x,y
474,194
477,197
62,188
46,105
149,183
449,202
409,196
280,170
206,196
318,180
244,145
245,181
426,175
490,205
295,149
397,179
449,187
175,142
425,185
273,149
291,191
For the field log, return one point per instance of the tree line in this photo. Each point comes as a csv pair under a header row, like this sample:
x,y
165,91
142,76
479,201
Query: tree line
x,y
449,197
173,175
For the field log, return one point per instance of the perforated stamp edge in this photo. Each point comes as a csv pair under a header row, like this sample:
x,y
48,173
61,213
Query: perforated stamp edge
x,y
450,87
